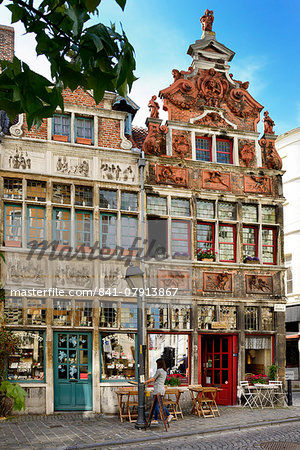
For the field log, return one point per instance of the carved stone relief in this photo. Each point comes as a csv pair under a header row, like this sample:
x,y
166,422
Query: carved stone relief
x,y
270,157
21,272
72,166
118,172
171,175
217,281
247,152
173,279
181,144
74,274
255,183
257,284
22,160
216,180
113,277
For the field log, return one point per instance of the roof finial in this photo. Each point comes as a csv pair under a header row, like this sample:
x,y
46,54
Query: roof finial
x,y
207,20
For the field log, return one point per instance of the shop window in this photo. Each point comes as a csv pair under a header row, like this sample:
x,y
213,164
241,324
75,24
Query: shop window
x,y
129,201
268,214
128,315
13,188
108,315
180,317
216,317
83,195
61,128
129,231
227,316
157,316
83,313
267,319
62,312
157,237
224,151
206,316
13,226
249,213
180,239
203,149
226,211
249,241
108,231
108,199
251,318
28,364
205,237
84,129
205,209
175,349
83,228
180,207
36,190
35,225
61,193
258,354
268,245
13,311
36,312
61,225
227,243
118,353
156,205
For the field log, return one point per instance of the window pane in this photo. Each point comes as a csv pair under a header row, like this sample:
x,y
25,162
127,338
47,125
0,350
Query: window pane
x,y
36,190
83,229
108,199
128,315
205,209
205,237
61,125
224,152
108,315
203,152
249,213
180,207
61,312
226,243
128,231
157,316
12,188
157,237
61,226
35,224
268,214
118,356
108,231
128,201
83,195
249,242
83,313
226,211
84,128
268,245
180,317
13,311
156,205
251,318
13,225
61,194
36,312
180,239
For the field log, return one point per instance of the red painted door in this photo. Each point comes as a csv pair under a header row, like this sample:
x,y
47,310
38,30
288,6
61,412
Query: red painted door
x,y
218,366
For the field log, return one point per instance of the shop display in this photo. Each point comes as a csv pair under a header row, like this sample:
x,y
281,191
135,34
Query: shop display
x,y
118,356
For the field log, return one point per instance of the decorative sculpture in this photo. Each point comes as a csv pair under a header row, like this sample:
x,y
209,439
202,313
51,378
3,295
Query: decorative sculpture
x,y
268,123
154,107
207,20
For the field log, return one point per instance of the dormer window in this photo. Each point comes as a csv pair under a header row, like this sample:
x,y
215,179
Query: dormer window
x,y
84,130
61,128
220,153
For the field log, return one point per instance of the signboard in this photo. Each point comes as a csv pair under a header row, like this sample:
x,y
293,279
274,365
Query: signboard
x,y
279,307
291,373
219,325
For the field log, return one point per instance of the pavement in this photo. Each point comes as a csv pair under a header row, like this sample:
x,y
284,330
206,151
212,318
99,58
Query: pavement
x,y
70,431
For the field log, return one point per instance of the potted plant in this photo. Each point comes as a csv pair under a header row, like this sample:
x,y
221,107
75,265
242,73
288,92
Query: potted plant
x,y
258,379
251,260
206,254
272,372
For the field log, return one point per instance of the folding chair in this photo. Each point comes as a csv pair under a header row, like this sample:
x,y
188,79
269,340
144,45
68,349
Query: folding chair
x,y
279,394
206,403
132,406
250,397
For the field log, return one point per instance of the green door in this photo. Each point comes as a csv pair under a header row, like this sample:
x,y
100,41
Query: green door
x,y
72,364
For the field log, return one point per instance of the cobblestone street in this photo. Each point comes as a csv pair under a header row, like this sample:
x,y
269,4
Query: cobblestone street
x,y
235,428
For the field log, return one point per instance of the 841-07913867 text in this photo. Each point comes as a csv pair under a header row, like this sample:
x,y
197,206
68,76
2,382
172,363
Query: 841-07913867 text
x,y
147,292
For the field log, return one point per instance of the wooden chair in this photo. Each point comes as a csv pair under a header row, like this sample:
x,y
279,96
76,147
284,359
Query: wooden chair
x,y
122,405
132,405
173,405
206,402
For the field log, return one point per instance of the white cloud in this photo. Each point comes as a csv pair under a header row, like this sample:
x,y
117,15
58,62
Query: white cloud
x,y
250,69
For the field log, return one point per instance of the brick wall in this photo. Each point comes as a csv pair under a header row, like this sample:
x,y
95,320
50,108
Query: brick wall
x,y
109,133
7,39
40,133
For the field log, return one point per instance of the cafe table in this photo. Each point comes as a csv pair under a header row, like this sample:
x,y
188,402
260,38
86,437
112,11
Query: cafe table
x,y
264,394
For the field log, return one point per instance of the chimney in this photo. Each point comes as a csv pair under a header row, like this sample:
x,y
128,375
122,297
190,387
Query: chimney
x,y
7,42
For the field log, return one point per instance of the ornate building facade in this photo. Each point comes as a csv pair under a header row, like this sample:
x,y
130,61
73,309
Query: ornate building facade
x,y
213,253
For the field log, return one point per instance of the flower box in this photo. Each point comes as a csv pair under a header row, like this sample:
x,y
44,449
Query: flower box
x,y
60,137
86,141
207,259
247,261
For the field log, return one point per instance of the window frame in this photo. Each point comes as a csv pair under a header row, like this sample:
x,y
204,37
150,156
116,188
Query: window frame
x,y
61,116
246,245
13,242
209,151
69,226
84,138
274,246
90,214
233,226
230,153
181,240
35,207
101,233
107,332
212,224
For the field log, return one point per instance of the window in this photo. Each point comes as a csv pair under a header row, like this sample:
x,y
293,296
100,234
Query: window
x,y
108,315
226,211
28,363
157,316
249,241
268,214
156,205
205,236
62,312
180,317
13,311
268,245
128,315
12,188
108,199
249,213
206,316
128,231
224,151
267,319
210,317
84,130
13,226
83,313
251,318
36,312
258,354
83,195
157,237
36,190
180,207
61,127
35,224
180,239
108,231
289,274
84,228
227,242
128,201
118,352
61,194
205,209
61,226
203,149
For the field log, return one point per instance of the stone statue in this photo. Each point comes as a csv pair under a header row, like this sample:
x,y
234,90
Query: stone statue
x,y
154,107
207,20
268,123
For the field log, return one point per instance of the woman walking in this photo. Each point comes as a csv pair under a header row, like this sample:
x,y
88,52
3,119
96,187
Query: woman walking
x,y
159,388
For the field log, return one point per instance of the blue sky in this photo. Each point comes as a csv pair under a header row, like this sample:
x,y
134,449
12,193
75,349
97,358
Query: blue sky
x,y
264,36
